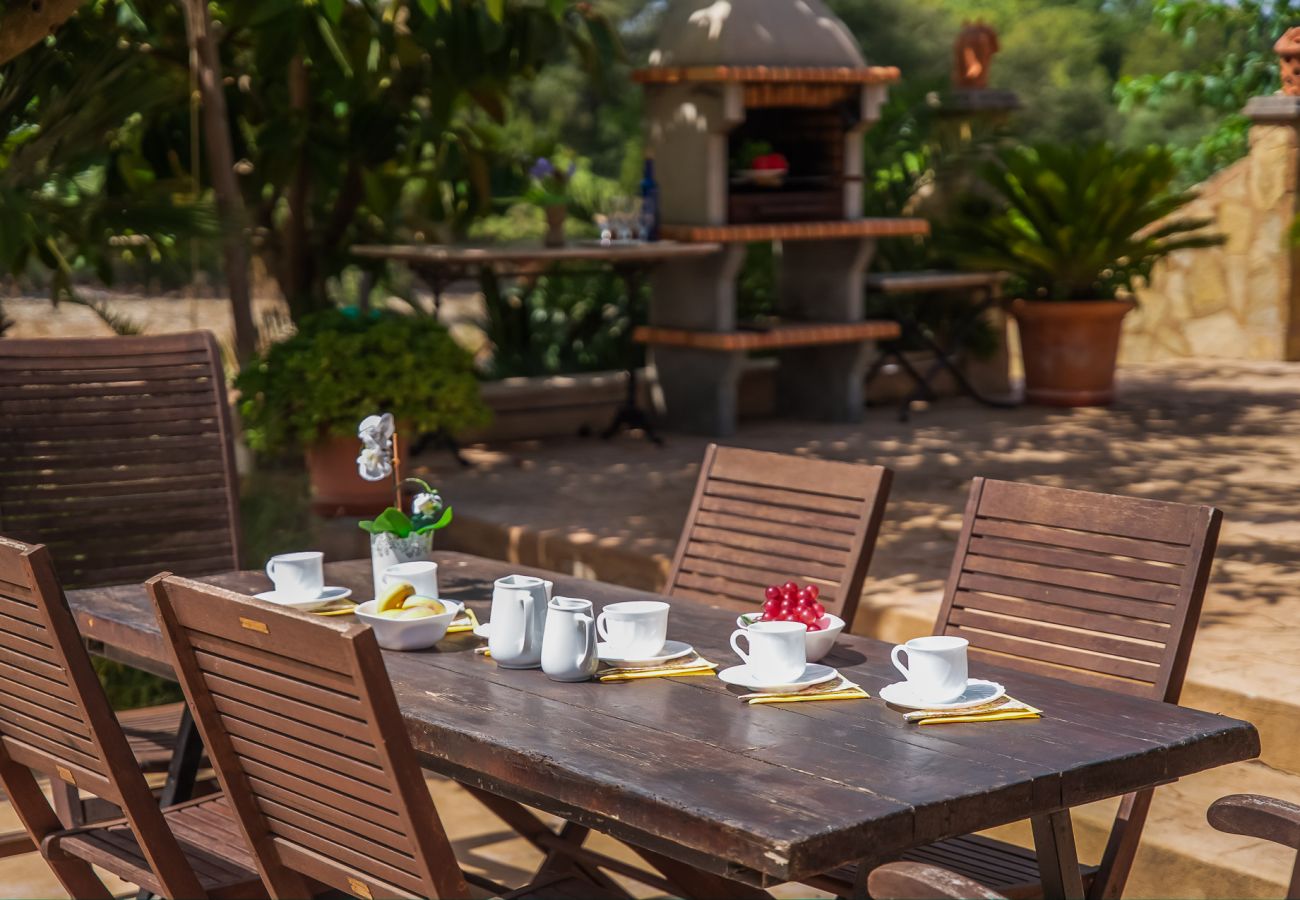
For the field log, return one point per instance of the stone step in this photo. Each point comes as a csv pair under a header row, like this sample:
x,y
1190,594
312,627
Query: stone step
x,y
1180,854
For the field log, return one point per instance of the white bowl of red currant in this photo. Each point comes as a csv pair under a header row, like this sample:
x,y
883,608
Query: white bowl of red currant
x,y
791,603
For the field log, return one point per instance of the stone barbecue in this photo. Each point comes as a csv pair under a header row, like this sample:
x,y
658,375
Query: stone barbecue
x,y
755,113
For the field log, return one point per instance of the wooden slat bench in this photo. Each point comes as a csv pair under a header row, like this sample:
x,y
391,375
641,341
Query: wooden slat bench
x,y
708,365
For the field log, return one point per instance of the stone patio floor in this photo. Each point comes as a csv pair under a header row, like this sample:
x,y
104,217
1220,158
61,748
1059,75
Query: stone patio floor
x,y
1226,434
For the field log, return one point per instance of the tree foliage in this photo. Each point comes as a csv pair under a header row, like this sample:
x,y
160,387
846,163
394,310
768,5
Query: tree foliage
x,y
77,189
1229,60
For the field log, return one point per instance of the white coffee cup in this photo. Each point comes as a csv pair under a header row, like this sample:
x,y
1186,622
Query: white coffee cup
x,y
298,574
634,629
777,650
936,667
421,575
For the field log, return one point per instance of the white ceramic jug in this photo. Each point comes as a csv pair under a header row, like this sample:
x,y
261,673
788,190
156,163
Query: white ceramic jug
x,y
569,645
518,621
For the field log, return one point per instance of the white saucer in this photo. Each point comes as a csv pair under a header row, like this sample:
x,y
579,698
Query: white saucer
x,y
813,674
484,630
671,650
327,596
978,692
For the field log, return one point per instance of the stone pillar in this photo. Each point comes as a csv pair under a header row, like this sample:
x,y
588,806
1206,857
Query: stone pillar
x,y
823,281
698,389
687,133
697,293
1275,163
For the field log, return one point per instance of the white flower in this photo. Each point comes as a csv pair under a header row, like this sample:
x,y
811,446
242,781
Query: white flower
x,y
426,504
374,463
376,431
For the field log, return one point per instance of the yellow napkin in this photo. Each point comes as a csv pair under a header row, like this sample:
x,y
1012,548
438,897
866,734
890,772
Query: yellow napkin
x,y
337,611
839,690
659,673
999,710
692,665
462,625
856,693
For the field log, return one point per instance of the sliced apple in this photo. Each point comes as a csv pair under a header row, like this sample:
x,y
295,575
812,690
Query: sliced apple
x,y
430,603
418,612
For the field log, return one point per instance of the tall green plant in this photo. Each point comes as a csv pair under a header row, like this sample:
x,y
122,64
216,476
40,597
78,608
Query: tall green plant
x,y
1075,222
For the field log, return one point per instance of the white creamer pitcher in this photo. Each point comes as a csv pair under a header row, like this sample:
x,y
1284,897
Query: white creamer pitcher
x,y
518,621
569,645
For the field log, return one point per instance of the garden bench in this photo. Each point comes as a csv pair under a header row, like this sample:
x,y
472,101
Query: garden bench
x,y
984,290
704,367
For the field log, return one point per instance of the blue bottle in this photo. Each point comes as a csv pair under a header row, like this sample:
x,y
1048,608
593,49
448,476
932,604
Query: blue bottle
x,y
649,202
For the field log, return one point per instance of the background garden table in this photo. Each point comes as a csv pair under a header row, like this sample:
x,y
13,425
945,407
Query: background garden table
x,y
439,265
761,794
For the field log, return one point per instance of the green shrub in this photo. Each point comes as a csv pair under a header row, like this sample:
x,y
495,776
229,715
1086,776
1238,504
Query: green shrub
x,y
1075,222
566,322
342,366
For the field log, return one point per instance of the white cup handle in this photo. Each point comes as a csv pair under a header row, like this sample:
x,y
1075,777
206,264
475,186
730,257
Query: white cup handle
x,y
585,625
525,601
737,635
270,569
601,630
898,665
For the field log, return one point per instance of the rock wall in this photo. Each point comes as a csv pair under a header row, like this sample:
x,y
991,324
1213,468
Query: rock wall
x,y
1239,300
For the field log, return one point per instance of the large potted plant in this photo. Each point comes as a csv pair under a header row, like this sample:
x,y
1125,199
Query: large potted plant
x,y
308,393
1078,228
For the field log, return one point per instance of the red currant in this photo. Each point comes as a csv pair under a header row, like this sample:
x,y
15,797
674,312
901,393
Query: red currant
x,y
771,605
813,591
772,593
815,626
819,609
790,586
807,616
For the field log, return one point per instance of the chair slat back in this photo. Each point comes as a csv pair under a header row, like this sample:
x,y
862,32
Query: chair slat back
x,y
118,455
1093,588
56,720
762,518
304,732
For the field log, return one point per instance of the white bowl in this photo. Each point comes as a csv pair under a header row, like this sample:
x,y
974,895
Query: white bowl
x,y
817,643
408,634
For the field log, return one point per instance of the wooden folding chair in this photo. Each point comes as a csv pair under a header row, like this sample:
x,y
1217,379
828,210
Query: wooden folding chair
x,y
763,518
55,720
305,734
1090,588
119,458
1265,818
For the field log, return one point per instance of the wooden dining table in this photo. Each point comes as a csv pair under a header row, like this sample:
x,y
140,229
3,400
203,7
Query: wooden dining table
x,y
759,794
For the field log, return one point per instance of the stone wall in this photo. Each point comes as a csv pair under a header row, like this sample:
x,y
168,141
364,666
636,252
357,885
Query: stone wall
x,y
1238,300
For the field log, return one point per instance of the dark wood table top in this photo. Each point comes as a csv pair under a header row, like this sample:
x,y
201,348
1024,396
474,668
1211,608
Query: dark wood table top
x,y
764,794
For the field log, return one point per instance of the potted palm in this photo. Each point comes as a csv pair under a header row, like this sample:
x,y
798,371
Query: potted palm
x,y
308,393
1078,228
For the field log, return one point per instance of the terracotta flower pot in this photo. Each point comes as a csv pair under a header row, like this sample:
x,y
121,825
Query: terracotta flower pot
x,y
336,488
1069,349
